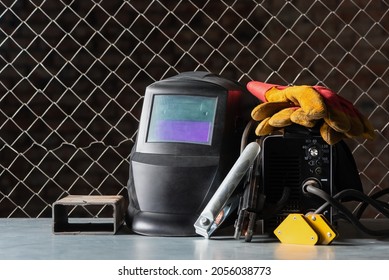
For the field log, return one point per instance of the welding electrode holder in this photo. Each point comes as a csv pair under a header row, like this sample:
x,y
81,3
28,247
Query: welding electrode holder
x,y
250,204
217,208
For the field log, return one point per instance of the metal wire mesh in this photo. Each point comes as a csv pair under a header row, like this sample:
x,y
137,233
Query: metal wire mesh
x,y
73,74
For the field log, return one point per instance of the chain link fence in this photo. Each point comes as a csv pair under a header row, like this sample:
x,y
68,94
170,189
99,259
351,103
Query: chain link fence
x,y
73,74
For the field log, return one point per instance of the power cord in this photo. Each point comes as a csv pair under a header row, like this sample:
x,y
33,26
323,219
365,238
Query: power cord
x,y
313,187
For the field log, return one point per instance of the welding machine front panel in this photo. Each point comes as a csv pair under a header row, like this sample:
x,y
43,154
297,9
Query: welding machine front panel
x,y
287,162
183,151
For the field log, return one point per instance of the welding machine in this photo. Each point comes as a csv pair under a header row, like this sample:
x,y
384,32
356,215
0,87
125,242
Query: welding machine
x,y
294,187
290,160
288,163
295,172
188,139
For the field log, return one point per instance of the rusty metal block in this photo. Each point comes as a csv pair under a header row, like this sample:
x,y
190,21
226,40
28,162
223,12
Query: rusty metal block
x,y
78,225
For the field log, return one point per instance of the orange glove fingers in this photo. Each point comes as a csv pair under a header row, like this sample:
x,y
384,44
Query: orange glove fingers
x,y
264,128
343,109
264,110
338,120
369,129
301,118
277,94
330,135
309,100
282,118
357,128
360,126
304,96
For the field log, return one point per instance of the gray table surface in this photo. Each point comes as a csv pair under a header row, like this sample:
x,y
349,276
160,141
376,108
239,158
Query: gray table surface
x,y
34,239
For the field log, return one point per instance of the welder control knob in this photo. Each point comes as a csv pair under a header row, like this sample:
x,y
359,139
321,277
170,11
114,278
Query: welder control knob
x,y
313,151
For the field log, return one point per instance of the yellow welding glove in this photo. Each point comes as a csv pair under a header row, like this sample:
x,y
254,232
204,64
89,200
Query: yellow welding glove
x,y
343,117
305,105
276,115
280,110
272,116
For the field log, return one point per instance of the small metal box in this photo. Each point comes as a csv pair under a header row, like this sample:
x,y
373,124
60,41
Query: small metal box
x,y
63,225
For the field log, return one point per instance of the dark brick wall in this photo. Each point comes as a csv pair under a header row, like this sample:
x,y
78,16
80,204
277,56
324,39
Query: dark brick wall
x,y
73,74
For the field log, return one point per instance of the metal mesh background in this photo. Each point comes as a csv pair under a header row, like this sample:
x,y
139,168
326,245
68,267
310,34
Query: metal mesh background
x,y
73,74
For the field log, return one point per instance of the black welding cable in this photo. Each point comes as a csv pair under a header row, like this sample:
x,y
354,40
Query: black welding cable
x,y
340,207
382,207
374,196
272,209
245,135
380,193
369,200
343,210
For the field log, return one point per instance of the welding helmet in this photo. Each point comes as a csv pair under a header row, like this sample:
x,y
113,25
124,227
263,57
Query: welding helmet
x,y
188,139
